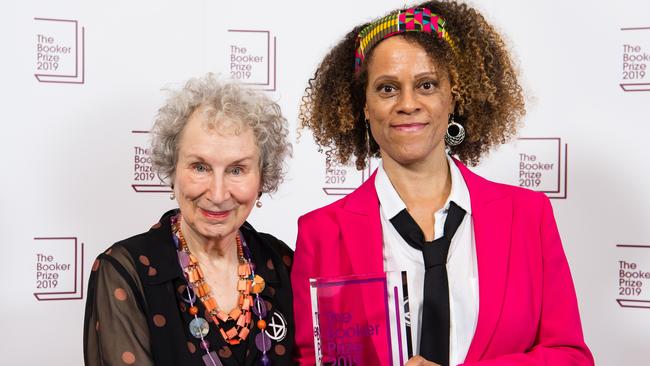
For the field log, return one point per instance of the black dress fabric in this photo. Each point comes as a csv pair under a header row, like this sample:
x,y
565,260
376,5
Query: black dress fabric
x,y
135,313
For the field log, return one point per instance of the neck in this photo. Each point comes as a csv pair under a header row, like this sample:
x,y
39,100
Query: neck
x,y
426,182
210,249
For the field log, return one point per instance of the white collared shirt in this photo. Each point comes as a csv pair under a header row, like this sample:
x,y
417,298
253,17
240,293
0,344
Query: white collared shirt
x,y
462,269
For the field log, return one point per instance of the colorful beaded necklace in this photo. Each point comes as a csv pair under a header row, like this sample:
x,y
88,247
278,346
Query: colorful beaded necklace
x,y
235,325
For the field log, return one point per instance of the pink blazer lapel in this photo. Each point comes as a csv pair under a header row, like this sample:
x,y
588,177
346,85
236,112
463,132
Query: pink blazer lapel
x,y
492,219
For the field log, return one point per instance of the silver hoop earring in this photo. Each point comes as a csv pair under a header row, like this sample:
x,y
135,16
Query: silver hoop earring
x,y
455,132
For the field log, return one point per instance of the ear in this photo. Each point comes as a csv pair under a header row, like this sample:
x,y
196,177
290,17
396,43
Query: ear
x,y
365,111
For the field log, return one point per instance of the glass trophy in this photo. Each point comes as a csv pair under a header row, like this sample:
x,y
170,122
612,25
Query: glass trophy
x,y
361,320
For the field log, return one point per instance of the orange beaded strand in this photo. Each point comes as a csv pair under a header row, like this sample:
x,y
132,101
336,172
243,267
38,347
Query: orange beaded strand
x,y
241,314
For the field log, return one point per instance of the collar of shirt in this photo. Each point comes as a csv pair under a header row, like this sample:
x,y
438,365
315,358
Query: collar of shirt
x,y
392,204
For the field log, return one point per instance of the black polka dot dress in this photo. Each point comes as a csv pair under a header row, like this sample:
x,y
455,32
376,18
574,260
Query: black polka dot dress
x,y
137,313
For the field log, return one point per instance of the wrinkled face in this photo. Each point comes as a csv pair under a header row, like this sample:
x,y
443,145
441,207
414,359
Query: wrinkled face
x,y
408,102
217,178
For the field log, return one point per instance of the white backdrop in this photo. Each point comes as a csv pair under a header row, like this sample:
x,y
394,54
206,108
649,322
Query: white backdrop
x,y
82,85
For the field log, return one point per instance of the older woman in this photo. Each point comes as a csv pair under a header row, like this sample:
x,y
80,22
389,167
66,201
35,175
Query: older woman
x,y
201,286
490,281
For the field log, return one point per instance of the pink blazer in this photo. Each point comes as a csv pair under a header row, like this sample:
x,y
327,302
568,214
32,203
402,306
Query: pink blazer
x,y
528,312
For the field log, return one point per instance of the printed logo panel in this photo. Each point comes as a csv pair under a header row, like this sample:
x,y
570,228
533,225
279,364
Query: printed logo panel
x,y
633,276
635,59
251,58
340,180
59,269
537,163
145,180
60,55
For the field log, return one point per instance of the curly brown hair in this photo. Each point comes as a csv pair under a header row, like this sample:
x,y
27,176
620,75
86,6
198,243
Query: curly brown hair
x,y
489,100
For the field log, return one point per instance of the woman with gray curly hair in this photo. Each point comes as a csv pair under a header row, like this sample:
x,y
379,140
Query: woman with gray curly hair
x,y
201,286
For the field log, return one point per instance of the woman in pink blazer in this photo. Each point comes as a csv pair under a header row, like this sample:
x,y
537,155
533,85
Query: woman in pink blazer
x,y
416,87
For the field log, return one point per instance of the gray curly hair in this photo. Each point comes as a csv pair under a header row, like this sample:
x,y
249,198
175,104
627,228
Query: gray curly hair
x,y
237,104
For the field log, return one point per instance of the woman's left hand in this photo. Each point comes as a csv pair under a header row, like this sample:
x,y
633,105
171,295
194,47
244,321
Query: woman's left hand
x,y
419,361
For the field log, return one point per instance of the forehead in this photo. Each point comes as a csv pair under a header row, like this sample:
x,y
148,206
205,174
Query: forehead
x,y
214,135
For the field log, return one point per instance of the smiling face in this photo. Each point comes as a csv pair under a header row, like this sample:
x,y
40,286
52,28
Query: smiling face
x,y
217,177
408,102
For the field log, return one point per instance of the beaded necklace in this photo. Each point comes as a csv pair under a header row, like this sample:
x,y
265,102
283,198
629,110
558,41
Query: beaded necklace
x,y
238,318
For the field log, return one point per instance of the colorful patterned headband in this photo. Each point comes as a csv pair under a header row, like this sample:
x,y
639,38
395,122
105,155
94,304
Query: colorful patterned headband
x,y
409,20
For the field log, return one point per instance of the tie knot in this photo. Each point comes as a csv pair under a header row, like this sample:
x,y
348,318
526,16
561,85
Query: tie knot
x,y
435,252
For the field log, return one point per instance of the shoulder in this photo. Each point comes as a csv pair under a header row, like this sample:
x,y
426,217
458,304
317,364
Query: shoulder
x,y
147,240
323,215
482,189
276,245
150,255
528,206
267,247
522,196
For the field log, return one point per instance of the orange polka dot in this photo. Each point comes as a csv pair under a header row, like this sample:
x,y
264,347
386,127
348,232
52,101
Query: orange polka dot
x,y
128,358
271,290
181,289
280,350
269,306
225,352
152,272
191,347
183,307
120,294
156,225
95,265
269,265
144,260
159,320
287,260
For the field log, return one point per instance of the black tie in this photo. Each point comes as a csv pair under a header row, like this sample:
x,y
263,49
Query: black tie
x,y
434,342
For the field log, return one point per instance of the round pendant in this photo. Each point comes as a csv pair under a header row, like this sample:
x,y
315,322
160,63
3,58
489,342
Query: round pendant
x,y
199,327
258,285
276,327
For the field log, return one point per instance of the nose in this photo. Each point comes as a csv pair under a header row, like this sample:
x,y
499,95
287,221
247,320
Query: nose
x,y
218,191
408,102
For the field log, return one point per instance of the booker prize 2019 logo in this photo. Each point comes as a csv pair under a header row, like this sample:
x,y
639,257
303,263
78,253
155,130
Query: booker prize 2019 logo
x,y
60,53
537,163
633,276
251,58
340,180
635,59
59,268
145,180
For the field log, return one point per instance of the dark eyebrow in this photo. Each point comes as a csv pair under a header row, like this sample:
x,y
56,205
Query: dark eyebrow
x,y
421,75
427,73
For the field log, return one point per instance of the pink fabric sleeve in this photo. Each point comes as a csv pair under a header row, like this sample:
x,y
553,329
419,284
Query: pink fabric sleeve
x,y
303,269
559,340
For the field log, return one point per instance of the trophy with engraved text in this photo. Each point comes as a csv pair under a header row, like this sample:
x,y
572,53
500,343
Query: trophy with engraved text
x,y
361,320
